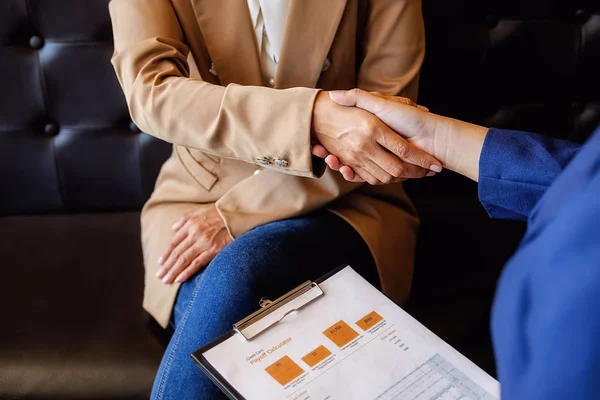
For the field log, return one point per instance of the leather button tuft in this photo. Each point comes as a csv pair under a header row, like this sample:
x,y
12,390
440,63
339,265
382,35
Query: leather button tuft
x,y
36,42
133,128
51,130
582,16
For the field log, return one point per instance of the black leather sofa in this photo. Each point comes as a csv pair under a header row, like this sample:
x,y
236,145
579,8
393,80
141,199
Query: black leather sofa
x,y
75,171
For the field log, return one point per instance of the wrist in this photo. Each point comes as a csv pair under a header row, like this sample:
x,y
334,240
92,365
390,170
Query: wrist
x,y
464,142
319,114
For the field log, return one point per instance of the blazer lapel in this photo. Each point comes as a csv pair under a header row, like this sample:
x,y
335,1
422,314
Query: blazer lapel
x,y
229,36
310,29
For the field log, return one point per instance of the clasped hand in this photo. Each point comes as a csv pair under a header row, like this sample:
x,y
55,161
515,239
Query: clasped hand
x,y
367,137
395,141
364,144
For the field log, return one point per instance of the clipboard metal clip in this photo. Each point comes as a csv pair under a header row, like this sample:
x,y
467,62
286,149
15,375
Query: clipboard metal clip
x,y
272,312
264,302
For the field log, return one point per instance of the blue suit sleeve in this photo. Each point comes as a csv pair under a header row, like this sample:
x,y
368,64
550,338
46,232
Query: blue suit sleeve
x,y
516,169
561,311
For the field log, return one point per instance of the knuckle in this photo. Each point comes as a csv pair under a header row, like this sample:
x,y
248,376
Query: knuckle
x,y
356,91
386,179
394,170
182,261
371,124
403,151
195,264
424,163
362,146
374,127
204,237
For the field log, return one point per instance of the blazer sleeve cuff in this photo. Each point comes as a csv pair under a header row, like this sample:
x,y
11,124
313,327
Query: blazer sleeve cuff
x,y
516,168
285,145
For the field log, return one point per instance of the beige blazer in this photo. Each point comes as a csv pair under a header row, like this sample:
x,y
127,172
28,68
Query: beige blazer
x,y
191,75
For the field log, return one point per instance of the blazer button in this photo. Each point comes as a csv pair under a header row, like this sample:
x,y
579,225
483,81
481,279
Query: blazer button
x,y
51,130
213,70
281,163
263,161
326,64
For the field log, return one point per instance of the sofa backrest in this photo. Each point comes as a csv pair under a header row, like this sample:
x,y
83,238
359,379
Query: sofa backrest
x,y
67,143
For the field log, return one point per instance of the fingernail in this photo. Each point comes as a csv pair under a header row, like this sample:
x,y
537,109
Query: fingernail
x,y
423,108
178,280
337,95
165,279
161,260
430,173
436,168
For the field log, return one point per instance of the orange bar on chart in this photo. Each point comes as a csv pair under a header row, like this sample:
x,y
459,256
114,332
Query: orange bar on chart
x,y
340,333
284,371
369,321
316,356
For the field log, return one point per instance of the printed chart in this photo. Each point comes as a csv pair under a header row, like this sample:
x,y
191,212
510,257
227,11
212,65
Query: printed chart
x,y
353,343
436,379
285,370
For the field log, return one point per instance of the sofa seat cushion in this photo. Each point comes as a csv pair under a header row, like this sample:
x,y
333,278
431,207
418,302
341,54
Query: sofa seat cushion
x,y
72,321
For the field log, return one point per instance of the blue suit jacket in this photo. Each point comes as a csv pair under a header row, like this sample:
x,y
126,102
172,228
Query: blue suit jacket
x,y
546,316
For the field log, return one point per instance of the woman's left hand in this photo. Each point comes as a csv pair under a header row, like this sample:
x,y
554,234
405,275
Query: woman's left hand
x,y
199,237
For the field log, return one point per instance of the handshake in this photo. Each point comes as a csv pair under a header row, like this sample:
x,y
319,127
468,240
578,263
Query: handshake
x,y
385,139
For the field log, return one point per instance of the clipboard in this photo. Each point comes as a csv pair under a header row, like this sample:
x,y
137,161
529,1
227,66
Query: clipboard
x,y
284,305
343,324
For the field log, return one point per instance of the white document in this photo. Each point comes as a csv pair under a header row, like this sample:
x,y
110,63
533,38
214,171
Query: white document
x,y
351,343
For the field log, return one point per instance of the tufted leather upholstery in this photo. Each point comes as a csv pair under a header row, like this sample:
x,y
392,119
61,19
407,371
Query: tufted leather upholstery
x,y
74,171
67,142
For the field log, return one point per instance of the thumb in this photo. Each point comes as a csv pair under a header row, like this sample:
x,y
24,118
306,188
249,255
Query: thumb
x,y
343,98
359,98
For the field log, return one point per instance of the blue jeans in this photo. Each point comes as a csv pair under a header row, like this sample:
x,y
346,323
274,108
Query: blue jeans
x,y
267,261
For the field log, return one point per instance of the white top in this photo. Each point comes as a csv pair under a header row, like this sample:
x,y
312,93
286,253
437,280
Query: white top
x,y
268,19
